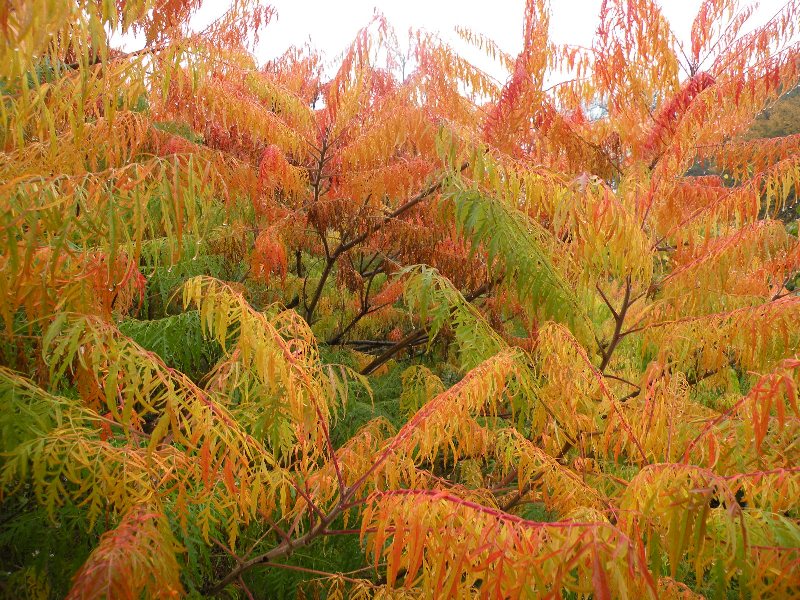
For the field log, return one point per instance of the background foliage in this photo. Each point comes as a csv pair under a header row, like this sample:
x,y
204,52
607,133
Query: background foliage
x,y
402,330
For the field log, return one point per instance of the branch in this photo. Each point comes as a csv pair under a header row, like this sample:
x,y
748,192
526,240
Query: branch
x,y
316,178
517,497
329,262
346,246
608,303
431,189
366,309
417,335
609,376
121,56
368,343
619,318
414,336
329,443
284,549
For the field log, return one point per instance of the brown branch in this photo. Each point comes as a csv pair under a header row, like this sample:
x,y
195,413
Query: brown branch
x,y
606,300
246,589
346,246
334,459
329,262
619,319
290,545
412,337
633,394
316,179
696,378
431,189
415,336
780,293
366,309
367,343
518,496
283,549
614,377
273,526
506,481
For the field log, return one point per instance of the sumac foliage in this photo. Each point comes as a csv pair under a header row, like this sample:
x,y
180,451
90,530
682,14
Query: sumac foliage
x,y
390,327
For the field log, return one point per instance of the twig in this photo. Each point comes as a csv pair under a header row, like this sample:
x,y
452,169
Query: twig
x,y
517,498
619,319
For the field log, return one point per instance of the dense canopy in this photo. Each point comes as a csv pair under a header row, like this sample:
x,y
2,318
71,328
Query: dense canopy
x,y
388,327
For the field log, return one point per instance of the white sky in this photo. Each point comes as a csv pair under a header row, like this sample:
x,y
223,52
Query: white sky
x,y
331,25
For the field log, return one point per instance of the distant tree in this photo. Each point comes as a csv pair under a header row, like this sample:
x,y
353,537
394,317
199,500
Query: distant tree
x,y
779,120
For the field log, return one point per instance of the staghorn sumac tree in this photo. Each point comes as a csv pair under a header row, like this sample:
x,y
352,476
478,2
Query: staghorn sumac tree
x,y
401,330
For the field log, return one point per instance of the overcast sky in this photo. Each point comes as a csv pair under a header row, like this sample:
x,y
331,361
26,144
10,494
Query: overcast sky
x,y
331,25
